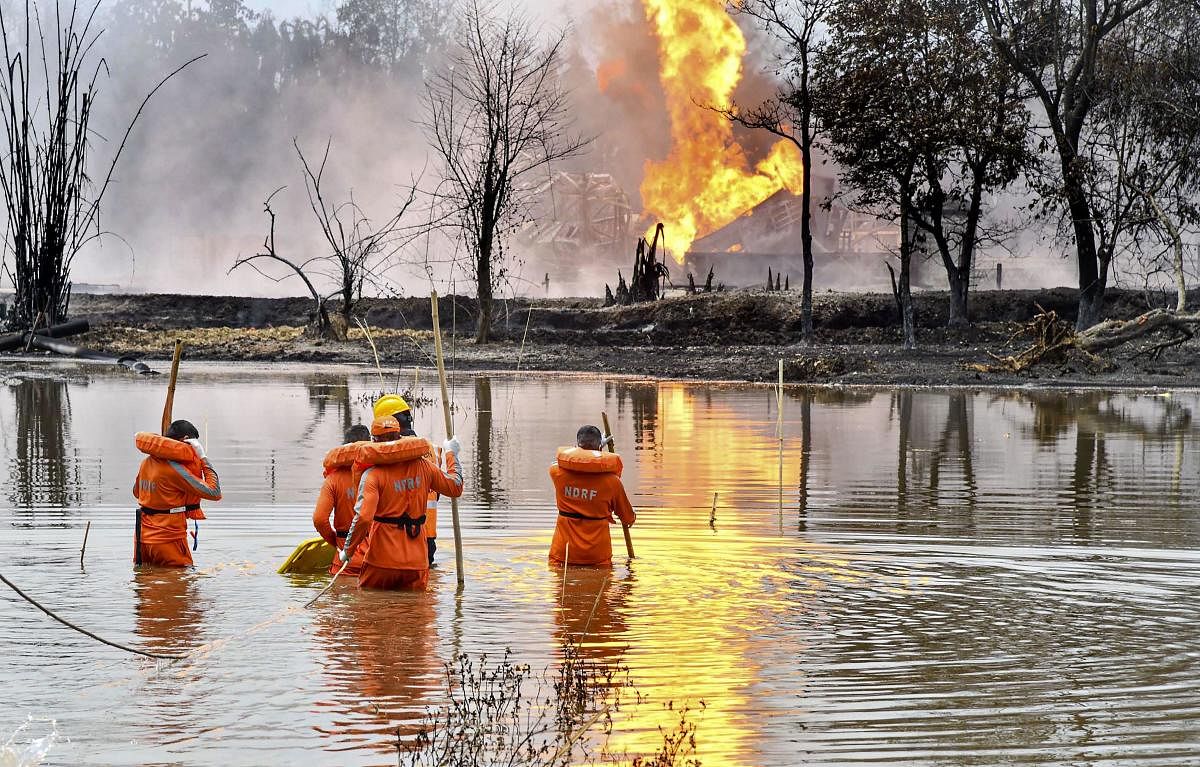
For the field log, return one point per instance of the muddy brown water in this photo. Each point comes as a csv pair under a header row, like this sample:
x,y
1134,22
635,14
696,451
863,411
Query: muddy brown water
x,y
955,577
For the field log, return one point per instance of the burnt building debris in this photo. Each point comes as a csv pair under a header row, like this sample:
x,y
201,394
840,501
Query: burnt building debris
x,y
849,248
577,211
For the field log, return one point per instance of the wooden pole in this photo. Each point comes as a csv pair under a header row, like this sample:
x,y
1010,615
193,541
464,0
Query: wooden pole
x,y
612,448
166,424
441,366
166,418
83,548
779,433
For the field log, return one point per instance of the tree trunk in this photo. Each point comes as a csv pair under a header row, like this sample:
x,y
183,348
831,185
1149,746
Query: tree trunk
x,y
958,300
806,318
1091,276
905,289
483,290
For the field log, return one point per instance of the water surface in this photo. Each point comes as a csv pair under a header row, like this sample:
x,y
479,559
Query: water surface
x,y
945,577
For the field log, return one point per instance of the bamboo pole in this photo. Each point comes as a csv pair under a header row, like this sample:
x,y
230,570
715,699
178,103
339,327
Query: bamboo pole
x,y
562,599
168,407
612,448
441,366
779,433
166,418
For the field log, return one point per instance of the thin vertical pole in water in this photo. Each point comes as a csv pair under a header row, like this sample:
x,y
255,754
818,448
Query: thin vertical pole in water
x,y
562,599
86,530
441,366
779,433
712,517
612,448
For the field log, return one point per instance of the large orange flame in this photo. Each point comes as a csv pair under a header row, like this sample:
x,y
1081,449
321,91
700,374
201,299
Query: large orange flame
x,y
706,181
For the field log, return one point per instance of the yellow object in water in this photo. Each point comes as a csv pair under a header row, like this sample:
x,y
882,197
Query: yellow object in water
x,y
311,556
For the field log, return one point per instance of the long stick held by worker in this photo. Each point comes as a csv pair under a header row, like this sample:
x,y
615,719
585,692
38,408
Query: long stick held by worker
x,y
441,366
612,448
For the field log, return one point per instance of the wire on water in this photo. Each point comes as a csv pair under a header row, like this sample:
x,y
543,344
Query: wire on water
x,y
85,632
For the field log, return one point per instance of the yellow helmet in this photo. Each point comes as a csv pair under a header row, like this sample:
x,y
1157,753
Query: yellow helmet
x,y
390,404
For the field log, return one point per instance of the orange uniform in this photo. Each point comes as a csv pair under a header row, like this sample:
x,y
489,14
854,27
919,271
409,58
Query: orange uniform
x,y
169,486
588,492
390,511
335,504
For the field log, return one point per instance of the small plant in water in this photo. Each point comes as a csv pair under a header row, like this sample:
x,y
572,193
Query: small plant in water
x,y
415,401
502,713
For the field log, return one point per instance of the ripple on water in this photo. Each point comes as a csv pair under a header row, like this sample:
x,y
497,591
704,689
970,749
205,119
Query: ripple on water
x,y
953,578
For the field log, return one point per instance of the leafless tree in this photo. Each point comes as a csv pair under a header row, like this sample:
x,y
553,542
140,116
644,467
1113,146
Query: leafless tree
x,y
796,24
496,116
51,199
358,250
1055,46
1148,128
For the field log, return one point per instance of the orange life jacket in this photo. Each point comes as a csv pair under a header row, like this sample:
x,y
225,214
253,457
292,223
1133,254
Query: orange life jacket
x,y
169,486
158,446
392,502
588,492
335,503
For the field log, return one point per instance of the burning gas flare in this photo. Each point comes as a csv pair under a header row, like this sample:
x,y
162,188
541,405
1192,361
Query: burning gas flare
x,y
706,181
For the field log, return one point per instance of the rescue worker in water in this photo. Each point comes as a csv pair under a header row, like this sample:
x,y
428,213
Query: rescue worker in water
x,y
397,407
389,513
335,503
589,493
172,480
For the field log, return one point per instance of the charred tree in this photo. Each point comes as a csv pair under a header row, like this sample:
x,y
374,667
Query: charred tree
x,y
51,198
319,325
358,249
648,273
791,114
496,116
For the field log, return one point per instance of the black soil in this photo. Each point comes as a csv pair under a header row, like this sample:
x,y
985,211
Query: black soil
x,y
736,335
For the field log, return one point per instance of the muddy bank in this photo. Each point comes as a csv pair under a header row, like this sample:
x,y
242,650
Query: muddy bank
x,y
737,335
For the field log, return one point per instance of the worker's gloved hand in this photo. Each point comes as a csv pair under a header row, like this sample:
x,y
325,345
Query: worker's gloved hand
x,y
344,555
451,446
197,446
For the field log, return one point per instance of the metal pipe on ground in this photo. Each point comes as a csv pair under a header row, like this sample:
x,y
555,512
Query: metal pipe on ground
x,y
13,341
70,350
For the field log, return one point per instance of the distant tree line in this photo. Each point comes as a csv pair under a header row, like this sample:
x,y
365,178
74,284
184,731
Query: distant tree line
x,y
932,108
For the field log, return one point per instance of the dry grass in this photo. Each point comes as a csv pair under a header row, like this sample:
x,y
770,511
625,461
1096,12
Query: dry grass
x,y
233,343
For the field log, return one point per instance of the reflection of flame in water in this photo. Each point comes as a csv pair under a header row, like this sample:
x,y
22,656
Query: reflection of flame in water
x,y
706,596
705,182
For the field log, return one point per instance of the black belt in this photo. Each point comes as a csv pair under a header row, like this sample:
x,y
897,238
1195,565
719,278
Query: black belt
x,y
189,507
341,533
577,515
410,525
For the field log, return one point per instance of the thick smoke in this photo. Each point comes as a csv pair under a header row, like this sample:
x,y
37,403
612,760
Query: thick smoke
x,y
216,141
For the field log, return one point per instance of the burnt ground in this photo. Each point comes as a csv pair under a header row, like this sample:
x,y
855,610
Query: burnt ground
x,y
735,335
